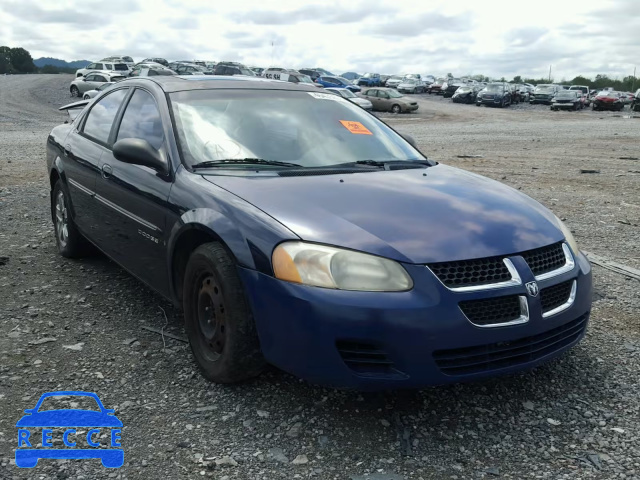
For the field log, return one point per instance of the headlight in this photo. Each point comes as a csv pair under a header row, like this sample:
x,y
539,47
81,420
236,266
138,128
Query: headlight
x,y
329,267
568,236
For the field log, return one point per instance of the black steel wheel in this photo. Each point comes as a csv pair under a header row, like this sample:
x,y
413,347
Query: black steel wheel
x,y
218,319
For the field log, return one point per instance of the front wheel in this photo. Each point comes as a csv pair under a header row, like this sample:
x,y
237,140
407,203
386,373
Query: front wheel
x,y
396,109
218,320
74,91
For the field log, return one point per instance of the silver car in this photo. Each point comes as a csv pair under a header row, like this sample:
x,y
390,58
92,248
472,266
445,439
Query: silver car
x,y
92,93
92,81
352,97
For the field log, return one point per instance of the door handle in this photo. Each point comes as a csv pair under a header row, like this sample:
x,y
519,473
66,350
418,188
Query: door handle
x,y
106,171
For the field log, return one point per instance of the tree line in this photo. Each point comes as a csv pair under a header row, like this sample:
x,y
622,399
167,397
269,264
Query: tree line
x,y
16,60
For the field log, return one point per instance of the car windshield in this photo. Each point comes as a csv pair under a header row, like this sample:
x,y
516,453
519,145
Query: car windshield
x,y
544,88
64,402
116,78
409,80
246,71
367,75
566,94
345,92
127,59
463,89
306,128
494,87
394,94
104,86
304,79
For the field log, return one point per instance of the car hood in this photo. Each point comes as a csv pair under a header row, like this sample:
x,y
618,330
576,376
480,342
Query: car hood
x,y
449,214
69,418
360,101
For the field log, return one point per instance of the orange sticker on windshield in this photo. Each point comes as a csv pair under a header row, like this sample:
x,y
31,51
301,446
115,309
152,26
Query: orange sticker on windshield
x,y
355,127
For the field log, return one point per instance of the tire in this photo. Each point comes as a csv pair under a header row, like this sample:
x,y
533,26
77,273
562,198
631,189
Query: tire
x,y
86,97
74,91
218,320
396,108
71,243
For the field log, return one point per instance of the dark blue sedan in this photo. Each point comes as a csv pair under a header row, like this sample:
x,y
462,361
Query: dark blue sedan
x,y
295,228
337,82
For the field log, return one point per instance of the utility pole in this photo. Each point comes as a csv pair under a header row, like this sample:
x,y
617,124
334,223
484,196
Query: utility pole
x,y
549,73
633,84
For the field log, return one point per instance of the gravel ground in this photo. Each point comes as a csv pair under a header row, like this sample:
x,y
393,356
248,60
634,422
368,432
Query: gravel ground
x,y
577,417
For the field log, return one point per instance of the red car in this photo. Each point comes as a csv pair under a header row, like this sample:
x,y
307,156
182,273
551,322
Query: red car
x,y
608,100
436,87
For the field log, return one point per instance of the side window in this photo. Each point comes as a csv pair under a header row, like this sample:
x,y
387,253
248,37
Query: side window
x,y
100,118
100,78
372,93
90,78
91,66
99,66
142,120
135,72
150,73
108,66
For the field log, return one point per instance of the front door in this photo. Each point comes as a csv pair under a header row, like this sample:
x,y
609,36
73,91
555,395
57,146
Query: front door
x,y
133,198
82,151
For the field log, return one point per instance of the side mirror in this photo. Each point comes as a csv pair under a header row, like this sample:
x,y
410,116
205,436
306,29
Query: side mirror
x,y
138,152
409,139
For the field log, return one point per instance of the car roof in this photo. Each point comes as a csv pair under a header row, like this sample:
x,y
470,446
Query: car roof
x,y
179,83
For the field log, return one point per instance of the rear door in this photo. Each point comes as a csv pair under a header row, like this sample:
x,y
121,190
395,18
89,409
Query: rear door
x,y
133,199
82,152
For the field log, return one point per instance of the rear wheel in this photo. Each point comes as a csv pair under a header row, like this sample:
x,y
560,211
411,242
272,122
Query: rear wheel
x,y
218,320
71,243
396,108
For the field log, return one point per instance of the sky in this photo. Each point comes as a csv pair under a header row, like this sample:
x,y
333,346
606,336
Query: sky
x,y
495,38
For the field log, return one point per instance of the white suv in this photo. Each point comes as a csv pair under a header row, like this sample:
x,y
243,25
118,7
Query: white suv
x,y
121,68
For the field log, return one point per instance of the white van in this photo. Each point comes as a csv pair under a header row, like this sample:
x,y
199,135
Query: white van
x,y
289,76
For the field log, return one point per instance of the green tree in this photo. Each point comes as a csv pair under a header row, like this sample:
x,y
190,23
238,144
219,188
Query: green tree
x,y
517,79
5,60
21,60
49,69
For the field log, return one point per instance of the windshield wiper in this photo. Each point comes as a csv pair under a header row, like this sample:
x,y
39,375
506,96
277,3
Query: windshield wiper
x,y
243,161
385,163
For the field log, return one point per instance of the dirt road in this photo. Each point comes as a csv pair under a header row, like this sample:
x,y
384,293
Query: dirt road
x,y
79,325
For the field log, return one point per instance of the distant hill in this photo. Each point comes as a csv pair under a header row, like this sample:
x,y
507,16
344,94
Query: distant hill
x,y
56,62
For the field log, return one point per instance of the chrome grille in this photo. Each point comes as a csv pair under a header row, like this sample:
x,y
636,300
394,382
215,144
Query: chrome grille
x,y
545,259
492,311
463,273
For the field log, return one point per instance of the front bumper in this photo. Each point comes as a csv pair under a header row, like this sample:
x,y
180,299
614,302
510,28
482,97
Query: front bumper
x,y
489,101
314,332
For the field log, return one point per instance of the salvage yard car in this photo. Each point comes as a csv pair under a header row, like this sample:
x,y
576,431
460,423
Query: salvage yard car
x,y
544,94
495,95
567,100
92,93
80,85
352,97
608,100
294,228
389,100
466,94
411,85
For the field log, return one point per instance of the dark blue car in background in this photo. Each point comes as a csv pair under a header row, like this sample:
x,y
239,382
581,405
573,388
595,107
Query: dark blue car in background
x,y
337,82
295,228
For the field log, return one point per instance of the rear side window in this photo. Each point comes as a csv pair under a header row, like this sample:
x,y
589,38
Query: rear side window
x,y
100,118
121,67
142,120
